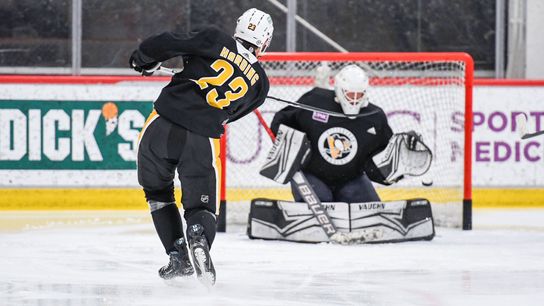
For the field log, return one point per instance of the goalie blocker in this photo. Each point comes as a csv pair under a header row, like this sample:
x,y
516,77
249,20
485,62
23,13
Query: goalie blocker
x,y
372,222
289,152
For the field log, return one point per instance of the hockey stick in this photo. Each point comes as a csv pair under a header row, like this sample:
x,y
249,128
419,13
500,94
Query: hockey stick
x,y
317,109
531,135
521,121
170,71
293,103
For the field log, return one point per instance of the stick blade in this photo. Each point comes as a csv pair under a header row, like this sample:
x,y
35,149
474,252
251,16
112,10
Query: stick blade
x,y
521,125
531,135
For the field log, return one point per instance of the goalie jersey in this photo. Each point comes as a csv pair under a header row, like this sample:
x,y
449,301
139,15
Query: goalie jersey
x,y
221,81
341,148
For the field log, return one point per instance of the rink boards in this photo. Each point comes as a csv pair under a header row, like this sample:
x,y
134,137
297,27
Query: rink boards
x,y
506,170
133,198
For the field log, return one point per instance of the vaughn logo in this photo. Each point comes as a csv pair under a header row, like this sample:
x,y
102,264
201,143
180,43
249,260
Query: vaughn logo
x,y
69,134
372,206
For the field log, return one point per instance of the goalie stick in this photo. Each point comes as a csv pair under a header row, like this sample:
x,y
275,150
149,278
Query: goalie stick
x,y
312,200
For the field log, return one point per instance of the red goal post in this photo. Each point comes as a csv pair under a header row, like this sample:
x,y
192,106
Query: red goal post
x,y
430,93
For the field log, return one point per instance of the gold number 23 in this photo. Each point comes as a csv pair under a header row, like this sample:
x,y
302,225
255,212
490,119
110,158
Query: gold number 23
x,y
238,86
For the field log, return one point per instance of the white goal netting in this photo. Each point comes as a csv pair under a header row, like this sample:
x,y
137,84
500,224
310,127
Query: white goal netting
x,y
425,93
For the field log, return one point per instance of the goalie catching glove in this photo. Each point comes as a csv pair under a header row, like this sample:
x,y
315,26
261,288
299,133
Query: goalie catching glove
x,y
289,151
405,154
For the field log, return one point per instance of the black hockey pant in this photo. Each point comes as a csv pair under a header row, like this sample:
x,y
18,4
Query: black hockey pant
x,y
164,148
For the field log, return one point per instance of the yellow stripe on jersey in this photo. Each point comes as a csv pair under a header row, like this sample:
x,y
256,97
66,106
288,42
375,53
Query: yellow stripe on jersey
x,y
216,162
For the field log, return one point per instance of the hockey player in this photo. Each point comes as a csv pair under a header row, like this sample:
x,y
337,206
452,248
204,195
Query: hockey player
x,y
221,82
340,168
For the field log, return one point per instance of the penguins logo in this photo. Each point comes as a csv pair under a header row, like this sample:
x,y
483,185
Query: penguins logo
x,y
338,146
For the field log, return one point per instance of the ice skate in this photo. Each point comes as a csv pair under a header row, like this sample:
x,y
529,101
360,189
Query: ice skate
x,y
180,264
200,252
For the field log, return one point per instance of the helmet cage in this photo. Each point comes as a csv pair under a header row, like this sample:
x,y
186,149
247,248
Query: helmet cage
x,y
353,97
350,86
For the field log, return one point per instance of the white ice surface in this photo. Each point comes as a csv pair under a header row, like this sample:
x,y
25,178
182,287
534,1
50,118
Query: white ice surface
x,y
93,261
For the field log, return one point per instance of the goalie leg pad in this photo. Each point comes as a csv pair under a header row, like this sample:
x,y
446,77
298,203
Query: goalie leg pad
x,y
369,222
396,221
292,221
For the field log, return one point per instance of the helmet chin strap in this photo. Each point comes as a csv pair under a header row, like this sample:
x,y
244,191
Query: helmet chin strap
x,y
250,47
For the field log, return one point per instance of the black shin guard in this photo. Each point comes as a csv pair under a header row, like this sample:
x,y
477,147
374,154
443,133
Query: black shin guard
x,y
204,218
167,221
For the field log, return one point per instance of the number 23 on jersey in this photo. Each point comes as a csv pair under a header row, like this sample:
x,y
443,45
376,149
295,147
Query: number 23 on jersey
x,y
238,85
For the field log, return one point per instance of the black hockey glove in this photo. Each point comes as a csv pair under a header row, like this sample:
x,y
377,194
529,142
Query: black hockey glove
x,y
142,64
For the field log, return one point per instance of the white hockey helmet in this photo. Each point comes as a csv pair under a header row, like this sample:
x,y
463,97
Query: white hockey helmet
x,y
350,86
255,27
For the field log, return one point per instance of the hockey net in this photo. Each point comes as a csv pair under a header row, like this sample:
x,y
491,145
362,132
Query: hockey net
x,y
430,93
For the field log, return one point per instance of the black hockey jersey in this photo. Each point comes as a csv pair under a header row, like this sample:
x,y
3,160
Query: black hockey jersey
x,y
221,81
342,148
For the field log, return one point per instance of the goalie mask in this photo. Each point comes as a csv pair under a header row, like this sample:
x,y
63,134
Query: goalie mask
x,y
350,86
256,28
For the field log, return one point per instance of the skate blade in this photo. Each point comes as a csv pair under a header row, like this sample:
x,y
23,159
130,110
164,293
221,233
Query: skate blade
x,y
207,278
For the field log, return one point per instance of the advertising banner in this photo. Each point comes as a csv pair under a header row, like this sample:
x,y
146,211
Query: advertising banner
x,y
500,157
75,135
62,135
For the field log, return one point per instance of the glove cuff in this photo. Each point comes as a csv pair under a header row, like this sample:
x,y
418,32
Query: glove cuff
x,y
142,60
